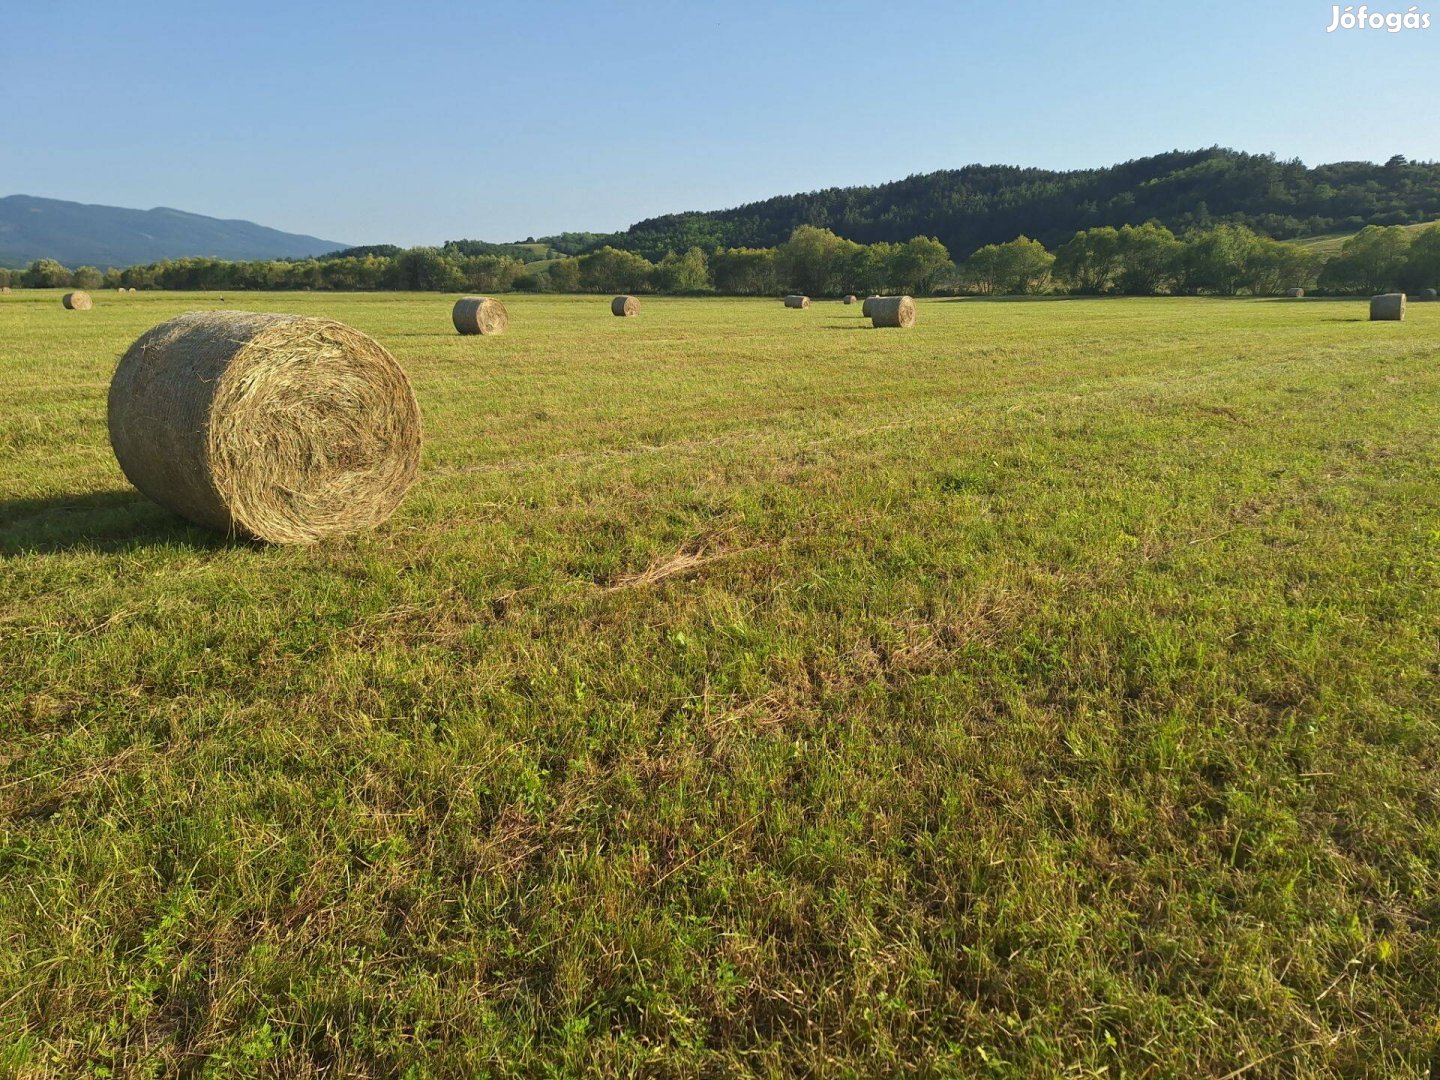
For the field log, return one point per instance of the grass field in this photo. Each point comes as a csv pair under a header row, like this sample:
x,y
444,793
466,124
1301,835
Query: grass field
x,y
1049,690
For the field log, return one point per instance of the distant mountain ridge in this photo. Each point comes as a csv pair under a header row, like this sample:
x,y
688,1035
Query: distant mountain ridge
x,y
83,234
986,204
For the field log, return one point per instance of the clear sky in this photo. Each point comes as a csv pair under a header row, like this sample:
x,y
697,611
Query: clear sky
x,y
410,123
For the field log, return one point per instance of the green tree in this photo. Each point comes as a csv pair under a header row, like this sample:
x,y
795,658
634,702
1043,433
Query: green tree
x,y
612,270
1272,266
1374,260
1149,257
1422,263
811,261
744,271
688,273
918,264
87,277
1214,260
565,275
1091,261
46,274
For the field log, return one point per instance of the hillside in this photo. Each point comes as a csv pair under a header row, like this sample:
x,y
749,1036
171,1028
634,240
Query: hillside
x,y
982,204
79,234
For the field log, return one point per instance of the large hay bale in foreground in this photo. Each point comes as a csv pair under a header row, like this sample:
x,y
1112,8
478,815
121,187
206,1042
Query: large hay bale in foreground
x,y
1387,307
77,301
1294,294
796,301
479,315
849,299
624,306
892,311
280,427
868,307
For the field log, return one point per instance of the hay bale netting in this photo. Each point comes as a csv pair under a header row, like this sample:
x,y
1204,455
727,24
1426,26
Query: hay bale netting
x,y
892,311
625,306
479,315
1387,307
868,307
1294,294
797,301
280,427
77,301
849,299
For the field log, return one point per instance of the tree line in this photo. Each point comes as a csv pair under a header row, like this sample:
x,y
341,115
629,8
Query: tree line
x,y
1136,260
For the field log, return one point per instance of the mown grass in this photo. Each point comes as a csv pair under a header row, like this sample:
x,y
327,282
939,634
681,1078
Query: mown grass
x,y
1049,690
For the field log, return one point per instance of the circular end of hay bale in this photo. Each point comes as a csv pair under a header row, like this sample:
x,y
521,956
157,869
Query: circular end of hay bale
x,y
479,315
280,427
77,301
1295,294
849,299
797,301
892,311
1387,307
624,306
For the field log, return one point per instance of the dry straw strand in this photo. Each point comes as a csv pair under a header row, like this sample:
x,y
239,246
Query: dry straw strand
x,y
892,311
280,427
624,306
797,301
479,315
77,301
1387,307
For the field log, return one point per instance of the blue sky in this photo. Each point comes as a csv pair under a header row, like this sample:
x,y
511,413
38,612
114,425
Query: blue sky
x,y
416,123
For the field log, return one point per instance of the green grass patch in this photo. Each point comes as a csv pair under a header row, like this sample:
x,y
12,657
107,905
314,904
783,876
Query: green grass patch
x,y
1049,690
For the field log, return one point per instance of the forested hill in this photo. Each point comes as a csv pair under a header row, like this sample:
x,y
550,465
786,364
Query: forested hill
x,y
984,204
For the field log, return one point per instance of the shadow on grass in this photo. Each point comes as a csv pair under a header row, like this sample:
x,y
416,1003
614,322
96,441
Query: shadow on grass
x,y
105,521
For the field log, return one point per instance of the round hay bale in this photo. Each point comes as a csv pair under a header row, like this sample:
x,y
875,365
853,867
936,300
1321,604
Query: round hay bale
x,y
1387,307
131,289
1425,294
1294,294
849,299
624,306
280,427
479,315
796,301
77,301
5,289
892,311
868,307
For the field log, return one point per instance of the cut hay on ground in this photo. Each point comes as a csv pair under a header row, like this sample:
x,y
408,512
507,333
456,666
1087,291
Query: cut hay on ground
x,y
797,301
1295,294
892,311
280,427
849,299
624,306
479,315
1387,307
77,301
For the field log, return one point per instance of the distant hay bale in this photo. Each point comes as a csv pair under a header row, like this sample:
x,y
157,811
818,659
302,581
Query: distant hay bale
x,y
1425,294
77,301
5,289
868,307
849,299
479,315
280,427
796,301
1294,294
892,311
1387,307
624,306
131,289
